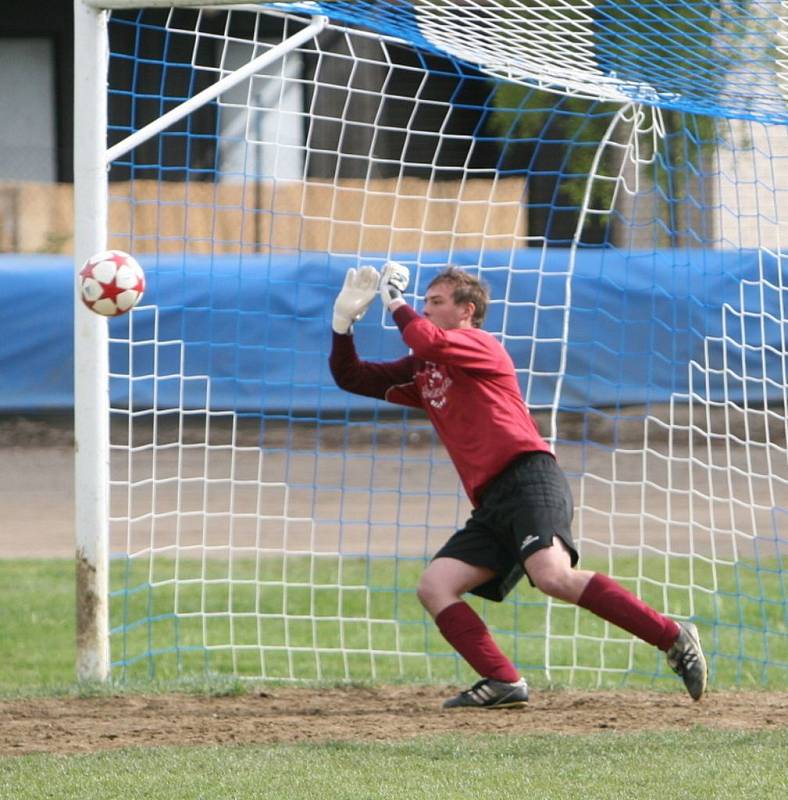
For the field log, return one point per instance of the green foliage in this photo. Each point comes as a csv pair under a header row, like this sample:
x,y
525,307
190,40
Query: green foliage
x,y
626,44
534,117
669,160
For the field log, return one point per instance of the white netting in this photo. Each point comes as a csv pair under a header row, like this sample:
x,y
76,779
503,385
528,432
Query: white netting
x,y
265,523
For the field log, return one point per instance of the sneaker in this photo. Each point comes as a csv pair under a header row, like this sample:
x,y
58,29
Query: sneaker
x,y
489,693
686,659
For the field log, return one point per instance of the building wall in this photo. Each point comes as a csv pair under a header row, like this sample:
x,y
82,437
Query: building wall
x,y
50,22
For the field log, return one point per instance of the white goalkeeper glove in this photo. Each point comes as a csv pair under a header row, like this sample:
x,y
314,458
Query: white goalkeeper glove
x,y
393,282
352,302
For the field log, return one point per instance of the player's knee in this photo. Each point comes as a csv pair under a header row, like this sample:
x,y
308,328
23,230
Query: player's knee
x,y
427,591
555,583
433,594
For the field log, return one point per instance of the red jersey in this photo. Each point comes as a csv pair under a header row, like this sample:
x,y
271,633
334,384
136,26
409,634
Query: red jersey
x,y
465,381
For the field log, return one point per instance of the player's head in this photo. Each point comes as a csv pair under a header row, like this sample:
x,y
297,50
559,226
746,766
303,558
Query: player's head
x,y
465,291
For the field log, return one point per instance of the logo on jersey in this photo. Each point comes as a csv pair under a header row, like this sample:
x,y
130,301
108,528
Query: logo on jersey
x,y
435,384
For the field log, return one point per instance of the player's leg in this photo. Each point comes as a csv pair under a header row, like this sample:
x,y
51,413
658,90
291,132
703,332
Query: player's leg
x,y
440,591
550,570
446,580
537,502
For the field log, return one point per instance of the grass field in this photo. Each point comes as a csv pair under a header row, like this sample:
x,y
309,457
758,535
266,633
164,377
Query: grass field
x,y
37,658
301,609
695,764
748,646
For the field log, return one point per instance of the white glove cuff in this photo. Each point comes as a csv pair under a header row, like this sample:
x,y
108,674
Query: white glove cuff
x,y
341,324
396,303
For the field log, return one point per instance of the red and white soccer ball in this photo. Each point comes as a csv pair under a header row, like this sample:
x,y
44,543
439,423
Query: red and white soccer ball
x,y
111,283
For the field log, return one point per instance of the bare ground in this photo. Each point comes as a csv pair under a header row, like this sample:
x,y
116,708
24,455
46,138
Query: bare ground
x,y
288,715
36,489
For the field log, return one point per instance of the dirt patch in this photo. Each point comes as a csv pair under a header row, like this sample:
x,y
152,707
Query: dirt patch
x,y
287,715
36,490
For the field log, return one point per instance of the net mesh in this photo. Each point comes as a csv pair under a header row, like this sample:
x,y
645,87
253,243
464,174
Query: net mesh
x,y
615,172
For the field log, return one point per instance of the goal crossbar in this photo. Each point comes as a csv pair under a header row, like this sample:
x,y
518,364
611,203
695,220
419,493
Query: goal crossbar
x,y
124,5
226,83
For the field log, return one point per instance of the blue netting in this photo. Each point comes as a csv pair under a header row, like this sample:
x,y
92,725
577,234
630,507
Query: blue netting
x,y
715,57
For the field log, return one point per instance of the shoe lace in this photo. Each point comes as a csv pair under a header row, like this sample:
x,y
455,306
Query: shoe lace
x,y
684,659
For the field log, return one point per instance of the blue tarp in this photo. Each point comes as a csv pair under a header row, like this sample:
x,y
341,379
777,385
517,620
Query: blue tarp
x,y
253,333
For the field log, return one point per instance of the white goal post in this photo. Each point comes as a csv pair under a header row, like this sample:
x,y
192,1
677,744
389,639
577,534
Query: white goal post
x,y
236,514
91,377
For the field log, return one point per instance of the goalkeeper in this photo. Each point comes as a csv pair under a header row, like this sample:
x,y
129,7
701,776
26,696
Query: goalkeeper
x,y
522,505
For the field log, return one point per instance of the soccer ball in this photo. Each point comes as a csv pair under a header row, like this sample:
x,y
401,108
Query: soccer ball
x,y
111,283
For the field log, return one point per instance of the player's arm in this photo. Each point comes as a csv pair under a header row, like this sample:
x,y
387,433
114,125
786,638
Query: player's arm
x,y
368,378
350,373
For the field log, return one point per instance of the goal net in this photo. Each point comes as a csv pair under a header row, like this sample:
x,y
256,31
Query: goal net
x,y
615,171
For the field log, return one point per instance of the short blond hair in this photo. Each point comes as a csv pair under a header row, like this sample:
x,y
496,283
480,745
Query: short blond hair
x,y
466,289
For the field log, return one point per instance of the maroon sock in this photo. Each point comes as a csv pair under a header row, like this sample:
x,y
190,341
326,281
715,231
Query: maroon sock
x,y
611,601
466,632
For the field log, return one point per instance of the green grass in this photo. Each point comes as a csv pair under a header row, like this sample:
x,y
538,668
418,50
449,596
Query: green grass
x,y
37,625
290,616
37,657
695,764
